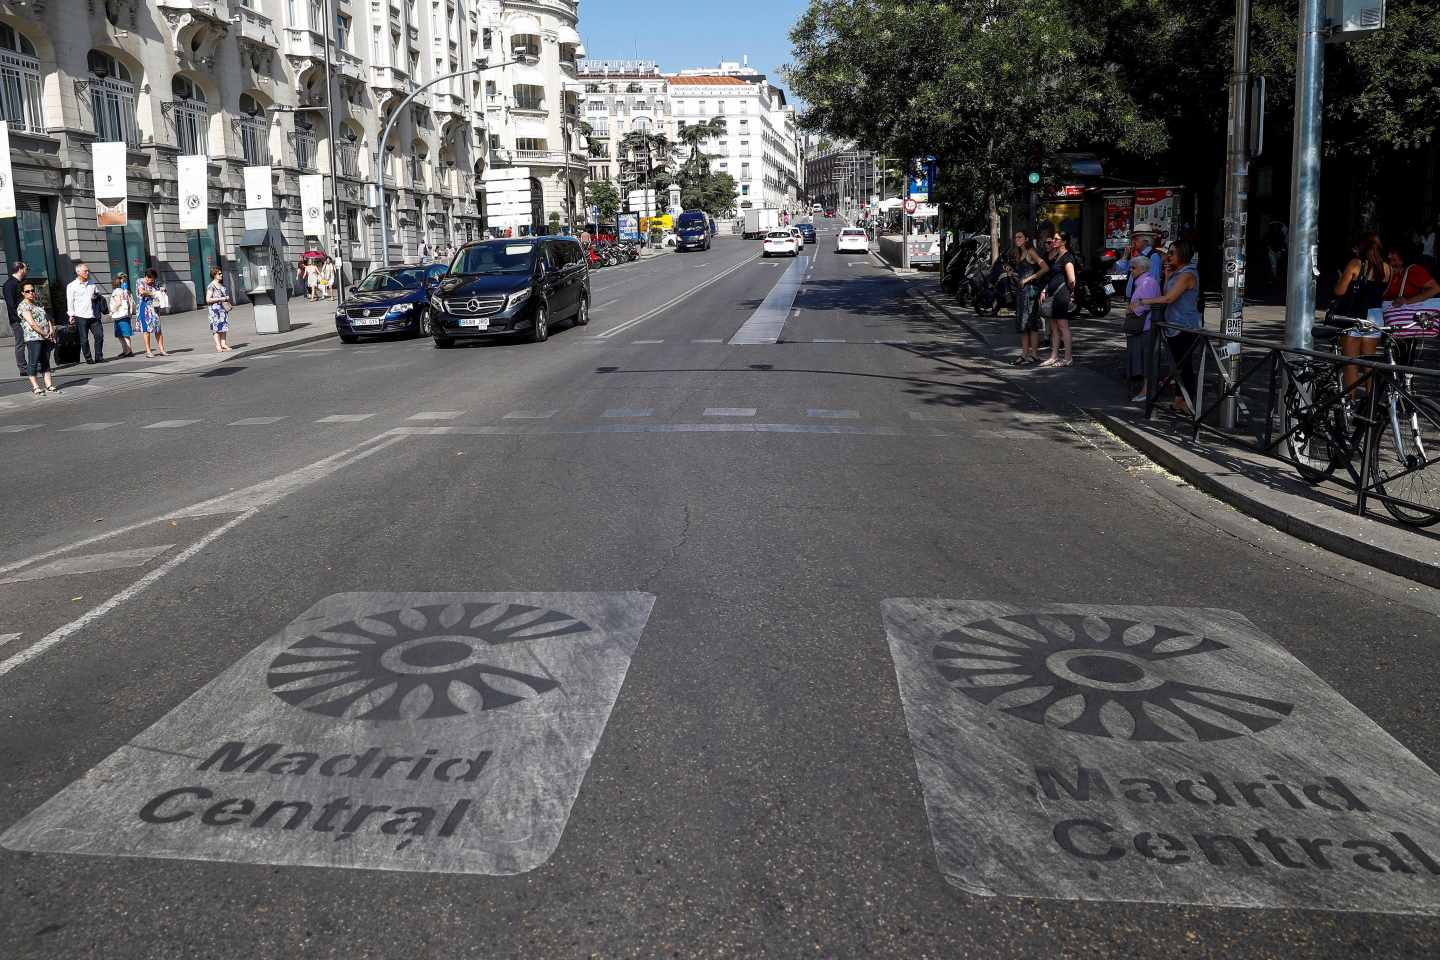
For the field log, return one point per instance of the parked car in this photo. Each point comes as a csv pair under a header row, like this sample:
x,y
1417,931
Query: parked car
x,y
852,240
499,288
390,300
781,243
807,230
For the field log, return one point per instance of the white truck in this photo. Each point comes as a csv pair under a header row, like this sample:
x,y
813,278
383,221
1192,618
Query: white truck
x,y
760,221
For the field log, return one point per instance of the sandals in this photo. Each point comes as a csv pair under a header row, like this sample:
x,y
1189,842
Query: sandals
x,y
37,391
52,389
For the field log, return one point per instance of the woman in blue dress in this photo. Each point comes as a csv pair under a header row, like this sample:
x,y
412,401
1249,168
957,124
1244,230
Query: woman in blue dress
x,y
146,313
219,300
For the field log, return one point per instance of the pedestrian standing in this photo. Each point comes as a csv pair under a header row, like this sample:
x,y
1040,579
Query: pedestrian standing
x,y
1362,283
12,296
39,334
218,299
121,310
1142,287
312,281
148,315
1142,244
1030,269
1057,298
1181,301
81,296
327,278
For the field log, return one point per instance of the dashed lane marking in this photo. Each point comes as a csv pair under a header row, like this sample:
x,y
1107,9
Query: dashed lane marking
x,y
708,340
7,637
345,418
529,415
436,415
636,342
834,414
92,563
256,421
90,427
168,424
620,412
729,411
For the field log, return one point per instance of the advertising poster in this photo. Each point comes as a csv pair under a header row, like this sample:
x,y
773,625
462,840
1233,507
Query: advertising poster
x,y
7,185
629,226
259,190
194,189
1160,208
312,204
1117,222
107,160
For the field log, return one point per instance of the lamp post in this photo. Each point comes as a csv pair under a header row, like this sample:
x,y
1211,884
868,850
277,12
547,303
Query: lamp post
x,y
528,60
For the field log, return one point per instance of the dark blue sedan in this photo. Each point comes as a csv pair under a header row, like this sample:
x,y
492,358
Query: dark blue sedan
x,y
807,230
392,300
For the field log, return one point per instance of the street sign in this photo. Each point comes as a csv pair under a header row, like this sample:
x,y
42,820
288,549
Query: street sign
x,y
1352,19
910,205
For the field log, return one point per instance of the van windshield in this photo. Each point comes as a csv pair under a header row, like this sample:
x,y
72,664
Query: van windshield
x,y
499,256
691,221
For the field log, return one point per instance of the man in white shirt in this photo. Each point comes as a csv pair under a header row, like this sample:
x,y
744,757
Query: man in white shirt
x,y
80,295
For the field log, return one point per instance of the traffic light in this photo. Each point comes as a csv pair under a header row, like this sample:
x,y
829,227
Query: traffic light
x,y
1035,161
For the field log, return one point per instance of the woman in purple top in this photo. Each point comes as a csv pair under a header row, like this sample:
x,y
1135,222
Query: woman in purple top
x,y
1142,287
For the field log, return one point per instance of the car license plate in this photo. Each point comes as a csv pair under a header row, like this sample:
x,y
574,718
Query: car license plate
x,y
1109,290
364,322
479,323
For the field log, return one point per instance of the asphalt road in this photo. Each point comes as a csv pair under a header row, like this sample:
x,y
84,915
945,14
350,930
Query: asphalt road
x,y
754,765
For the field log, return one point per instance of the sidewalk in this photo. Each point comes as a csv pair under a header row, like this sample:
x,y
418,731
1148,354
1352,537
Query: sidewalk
x,y
1253,483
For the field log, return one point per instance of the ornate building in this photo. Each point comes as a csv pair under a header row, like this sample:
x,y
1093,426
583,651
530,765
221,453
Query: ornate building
x,y
244,83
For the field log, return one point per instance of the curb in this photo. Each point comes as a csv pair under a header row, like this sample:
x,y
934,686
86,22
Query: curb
x,y
1329,538
272,347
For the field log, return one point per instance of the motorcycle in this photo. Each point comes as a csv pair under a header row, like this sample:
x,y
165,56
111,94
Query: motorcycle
x,y
1093,288
999,290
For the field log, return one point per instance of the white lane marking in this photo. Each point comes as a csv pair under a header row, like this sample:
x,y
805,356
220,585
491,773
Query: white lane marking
x,y
256,421
436,415
709,340
18,427
168,424
893,342
828,340
729,411
615,412
529,414
60,634
768,321
345,418
626,325
90,427
7,637
92,563
257,495
834,414
634,342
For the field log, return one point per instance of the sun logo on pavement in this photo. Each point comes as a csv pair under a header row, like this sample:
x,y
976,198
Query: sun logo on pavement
x,y
1101,676
421,662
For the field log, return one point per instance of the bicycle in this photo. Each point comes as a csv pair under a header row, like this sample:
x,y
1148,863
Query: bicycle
x,y
1336,414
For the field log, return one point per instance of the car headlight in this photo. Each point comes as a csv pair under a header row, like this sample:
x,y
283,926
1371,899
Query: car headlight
x,y
517,298
436,303
401,308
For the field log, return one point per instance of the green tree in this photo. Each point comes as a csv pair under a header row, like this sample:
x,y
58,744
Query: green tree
x,y
703,189
694,134
604,195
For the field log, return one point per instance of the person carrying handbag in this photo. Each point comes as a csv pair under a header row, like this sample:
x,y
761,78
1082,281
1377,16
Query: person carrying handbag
x,y
218,299
120,312
39,335
1143,286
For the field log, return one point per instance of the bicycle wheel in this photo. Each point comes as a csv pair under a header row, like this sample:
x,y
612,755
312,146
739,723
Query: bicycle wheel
x,y
1309,419
1409,490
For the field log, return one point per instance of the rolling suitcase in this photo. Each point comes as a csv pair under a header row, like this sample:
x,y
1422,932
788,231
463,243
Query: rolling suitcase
x,y
67,344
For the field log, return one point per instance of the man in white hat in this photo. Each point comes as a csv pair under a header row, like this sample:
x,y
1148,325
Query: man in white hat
x,y
1142,244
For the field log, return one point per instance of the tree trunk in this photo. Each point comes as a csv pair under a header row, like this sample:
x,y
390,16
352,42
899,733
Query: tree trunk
x,y
994,228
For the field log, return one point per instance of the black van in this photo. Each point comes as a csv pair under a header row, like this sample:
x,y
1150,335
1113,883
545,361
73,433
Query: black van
x,y
693,230
524,285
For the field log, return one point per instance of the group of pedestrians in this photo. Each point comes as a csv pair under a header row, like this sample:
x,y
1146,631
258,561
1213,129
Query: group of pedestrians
x,y
1046,272
86,306
317,277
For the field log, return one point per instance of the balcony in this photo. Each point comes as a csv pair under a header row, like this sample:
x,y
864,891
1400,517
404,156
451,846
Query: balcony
x,y
216,10
304,44
257,29
391,81
349,66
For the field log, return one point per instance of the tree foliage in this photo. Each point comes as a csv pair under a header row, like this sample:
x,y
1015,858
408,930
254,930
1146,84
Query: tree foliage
x,y
604,195
703,189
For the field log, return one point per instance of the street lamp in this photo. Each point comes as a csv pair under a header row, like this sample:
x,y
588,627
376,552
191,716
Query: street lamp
x,y
521,57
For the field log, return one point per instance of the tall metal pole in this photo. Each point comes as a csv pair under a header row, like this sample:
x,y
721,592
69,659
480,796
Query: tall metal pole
x,y
1237,189
339,232
1305,170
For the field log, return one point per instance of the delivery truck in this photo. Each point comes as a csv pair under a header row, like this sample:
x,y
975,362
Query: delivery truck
x,y
760,221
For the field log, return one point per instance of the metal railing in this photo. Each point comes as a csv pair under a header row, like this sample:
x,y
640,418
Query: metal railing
x,y
21,95
1322,414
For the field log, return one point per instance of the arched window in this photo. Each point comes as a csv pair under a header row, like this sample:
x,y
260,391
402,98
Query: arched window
x,y
192,117
21,101
253,131
112,99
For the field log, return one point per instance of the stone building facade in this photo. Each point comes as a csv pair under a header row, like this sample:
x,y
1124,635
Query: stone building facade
x,y
244,83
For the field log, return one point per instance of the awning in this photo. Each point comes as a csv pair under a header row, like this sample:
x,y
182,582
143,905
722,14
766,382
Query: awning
x,y
566,34
890,203
524,24
580,50
529,127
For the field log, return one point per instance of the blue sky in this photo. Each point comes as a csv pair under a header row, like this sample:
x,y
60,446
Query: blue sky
x,y
691,33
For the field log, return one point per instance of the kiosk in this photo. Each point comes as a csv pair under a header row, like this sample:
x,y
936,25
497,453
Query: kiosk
x,y
265,272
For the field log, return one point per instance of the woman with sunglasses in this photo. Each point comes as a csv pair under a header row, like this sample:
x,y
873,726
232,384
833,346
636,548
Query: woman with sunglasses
x,y
39,339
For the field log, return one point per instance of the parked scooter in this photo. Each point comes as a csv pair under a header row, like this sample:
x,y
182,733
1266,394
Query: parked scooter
x,y
1093,288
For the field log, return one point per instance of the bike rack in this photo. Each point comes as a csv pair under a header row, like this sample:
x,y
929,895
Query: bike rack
x,y
1287,363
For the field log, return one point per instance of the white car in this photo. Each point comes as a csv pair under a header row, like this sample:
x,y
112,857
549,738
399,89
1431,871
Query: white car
x,y
799,237
778,242
852,240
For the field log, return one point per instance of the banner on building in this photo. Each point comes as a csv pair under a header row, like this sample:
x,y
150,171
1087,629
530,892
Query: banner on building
x,y
107,162
312,204
259,189
7,185
194,192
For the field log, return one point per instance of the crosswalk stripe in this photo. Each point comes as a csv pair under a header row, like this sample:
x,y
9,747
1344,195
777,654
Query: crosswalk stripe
x,y
168,424
628,412
729,411
345,418
834,414
647,341
436,415
256,421
529,414
714,340
89,427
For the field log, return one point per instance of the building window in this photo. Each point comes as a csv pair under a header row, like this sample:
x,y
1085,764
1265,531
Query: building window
x,y
112,100
744,171
525,44
536,144
304,145
342,31
192,117
485,40
253,131
529,96
20,91
347,152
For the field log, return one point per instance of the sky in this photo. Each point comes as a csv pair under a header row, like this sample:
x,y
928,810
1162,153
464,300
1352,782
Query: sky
x,y
691,33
